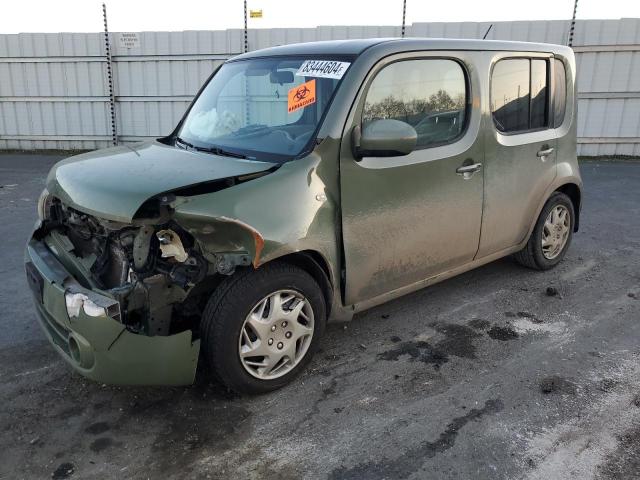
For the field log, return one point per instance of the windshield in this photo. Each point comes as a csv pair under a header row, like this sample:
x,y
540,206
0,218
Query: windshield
x,y
264,108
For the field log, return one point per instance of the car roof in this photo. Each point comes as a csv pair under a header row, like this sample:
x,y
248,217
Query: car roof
x,y
327,47
355,47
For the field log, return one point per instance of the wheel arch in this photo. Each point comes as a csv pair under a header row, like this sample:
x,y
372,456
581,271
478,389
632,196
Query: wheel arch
x,y
317,266
574,193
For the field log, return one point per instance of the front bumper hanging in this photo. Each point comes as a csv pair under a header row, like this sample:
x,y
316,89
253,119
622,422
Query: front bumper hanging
x,y
100,347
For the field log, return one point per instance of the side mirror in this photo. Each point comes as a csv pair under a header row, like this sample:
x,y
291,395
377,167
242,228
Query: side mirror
x,y
384,138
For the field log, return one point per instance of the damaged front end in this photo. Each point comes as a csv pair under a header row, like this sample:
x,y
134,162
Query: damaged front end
x,y
149,266
142,283
132,242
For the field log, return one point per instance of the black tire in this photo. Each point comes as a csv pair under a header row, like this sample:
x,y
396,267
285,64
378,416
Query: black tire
x,y
531,255
228,307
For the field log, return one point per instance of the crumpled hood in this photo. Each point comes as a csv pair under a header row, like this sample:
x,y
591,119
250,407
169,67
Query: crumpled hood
x,y
113,183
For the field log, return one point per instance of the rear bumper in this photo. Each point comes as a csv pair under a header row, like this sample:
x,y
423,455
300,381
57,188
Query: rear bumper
x,y
101,348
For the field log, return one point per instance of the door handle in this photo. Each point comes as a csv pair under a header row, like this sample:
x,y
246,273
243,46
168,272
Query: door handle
x,y
545,153
467,171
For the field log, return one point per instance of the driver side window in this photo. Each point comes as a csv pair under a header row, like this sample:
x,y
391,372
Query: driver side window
x,y
429,94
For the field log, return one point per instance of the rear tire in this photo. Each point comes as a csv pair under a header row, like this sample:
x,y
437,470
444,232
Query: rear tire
x,y
551,235
257,316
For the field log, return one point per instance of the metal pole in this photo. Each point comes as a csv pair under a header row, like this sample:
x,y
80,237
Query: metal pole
x,y
112,100
404,15
573,23
246,39
247,114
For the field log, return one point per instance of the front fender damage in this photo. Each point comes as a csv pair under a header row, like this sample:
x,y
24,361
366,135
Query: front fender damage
x,y
225,242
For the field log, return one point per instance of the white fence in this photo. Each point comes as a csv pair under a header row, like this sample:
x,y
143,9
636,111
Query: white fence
x,y
54,95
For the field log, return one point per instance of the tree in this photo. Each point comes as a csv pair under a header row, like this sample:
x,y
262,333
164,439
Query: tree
x,y
392,107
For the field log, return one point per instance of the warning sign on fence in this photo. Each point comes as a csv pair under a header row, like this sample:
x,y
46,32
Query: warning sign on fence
x,y
129,40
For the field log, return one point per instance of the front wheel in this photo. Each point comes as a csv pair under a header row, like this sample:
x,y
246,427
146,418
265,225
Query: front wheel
x,y
551,236
260,328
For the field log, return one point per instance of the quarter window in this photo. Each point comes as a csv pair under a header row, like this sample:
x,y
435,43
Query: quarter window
x,y
539,96
559,92
430,95
519,95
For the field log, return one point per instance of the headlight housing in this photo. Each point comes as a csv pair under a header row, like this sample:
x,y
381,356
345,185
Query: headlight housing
x,y
44,204
77,301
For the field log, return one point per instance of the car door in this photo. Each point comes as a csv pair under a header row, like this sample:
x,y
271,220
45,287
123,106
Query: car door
x,y
520,156
407,218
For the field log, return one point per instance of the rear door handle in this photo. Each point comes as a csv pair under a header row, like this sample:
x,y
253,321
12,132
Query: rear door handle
x,y
545,153
467,171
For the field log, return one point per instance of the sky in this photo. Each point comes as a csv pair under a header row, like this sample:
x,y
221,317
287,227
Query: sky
x,y
164,15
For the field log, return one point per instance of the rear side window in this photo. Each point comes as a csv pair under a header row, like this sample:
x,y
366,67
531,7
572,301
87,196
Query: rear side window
x,y
520,94
430,95
559,92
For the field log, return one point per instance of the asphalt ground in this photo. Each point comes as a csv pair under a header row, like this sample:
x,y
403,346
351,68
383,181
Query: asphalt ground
x,y
500,373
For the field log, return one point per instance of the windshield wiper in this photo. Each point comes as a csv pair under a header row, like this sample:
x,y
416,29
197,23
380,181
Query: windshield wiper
x,y
214,150
186,145
220,151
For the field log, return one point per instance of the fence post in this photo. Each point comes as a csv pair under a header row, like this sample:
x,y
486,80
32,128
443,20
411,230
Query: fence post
x,y
246,39
573,23
112,100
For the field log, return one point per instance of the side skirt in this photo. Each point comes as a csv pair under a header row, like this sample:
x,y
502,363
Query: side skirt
x,y
346,313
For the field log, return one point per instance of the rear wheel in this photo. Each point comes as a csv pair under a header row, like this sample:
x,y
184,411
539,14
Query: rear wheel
x,y
261,327
551,236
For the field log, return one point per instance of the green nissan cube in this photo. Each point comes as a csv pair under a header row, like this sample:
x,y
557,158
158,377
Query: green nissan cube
x,y
305,183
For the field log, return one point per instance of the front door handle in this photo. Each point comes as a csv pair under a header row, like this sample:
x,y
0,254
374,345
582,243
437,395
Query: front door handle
x,y
467,171
545,153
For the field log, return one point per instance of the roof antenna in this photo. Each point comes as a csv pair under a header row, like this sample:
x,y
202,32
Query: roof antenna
x,y
487,32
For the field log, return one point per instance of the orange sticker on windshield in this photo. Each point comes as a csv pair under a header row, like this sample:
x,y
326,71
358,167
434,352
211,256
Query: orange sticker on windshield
x,y
301,96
